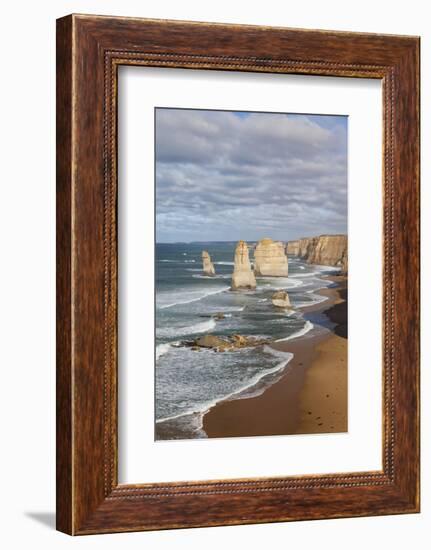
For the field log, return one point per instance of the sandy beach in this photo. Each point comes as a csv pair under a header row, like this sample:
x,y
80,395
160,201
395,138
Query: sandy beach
x,y
310,395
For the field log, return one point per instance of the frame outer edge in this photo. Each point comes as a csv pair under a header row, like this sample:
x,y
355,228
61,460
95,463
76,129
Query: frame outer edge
x,y
407,289
81,506
64,367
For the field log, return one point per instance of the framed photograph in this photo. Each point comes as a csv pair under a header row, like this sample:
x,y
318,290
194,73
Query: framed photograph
x,y
237,274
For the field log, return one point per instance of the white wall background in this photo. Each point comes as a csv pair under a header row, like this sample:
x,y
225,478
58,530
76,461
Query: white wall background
x,y
27,218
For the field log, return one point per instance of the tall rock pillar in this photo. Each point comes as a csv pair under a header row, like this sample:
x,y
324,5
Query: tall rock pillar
x,y
243,277
208,267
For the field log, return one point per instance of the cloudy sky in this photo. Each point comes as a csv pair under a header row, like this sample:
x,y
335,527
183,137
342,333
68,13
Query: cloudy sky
x,y
225,176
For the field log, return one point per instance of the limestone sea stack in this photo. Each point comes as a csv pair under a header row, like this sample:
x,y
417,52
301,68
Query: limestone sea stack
x,y
208,267
242,277
281,299
270,259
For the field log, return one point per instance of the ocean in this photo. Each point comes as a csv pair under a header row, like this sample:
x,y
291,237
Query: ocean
x,y
187,382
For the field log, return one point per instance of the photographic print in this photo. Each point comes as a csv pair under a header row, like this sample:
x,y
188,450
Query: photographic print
x,y
251,274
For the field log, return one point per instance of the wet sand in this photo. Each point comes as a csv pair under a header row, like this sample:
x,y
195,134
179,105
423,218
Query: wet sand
x,y
323,398
311,394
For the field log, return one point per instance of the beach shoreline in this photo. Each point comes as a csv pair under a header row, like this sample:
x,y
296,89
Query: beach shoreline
x,y
310,395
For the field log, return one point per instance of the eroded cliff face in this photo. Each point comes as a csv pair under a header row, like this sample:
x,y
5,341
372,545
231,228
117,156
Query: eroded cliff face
x,y
207,265
243,276
270,259
324,250
292,247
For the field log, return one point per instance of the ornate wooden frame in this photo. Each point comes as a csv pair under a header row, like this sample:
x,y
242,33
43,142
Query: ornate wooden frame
x,y
89,51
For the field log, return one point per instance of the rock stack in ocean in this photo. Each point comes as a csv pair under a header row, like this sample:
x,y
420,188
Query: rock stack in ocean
x,y
208,267
324,250
270,259
281,299
242,277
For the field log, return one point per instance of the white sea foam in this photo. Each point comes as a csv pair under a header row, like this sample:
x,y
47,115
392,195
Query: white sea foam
x,y
245,390
189,261
242,392
190,297
169,261
162,349
197,328
306,328
283,315
304,275
192,422
224,263
316,299
317,270
278,353
211,276
224,309
323,268
277,283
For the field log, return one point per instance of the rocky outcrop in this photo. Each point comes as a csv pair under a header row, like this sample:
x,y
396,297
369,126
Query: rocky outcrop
x,y
225,343
270,259
242,277
210,341
208,267
323,250
281,299
219,316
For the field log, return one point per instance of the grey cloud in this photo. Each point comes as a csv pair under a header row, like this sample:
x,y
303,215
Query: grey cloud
x,y
220,176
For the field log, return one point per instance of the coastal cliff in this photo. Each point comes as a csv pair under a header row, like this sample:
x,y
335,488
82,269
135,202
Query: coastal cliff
x,y
270,259
243,276
207,265
292,247
323,250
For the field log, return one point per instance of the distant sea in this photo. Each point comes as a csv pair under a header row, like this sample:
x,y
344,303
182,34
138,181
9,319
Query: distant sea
x,y
189,383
